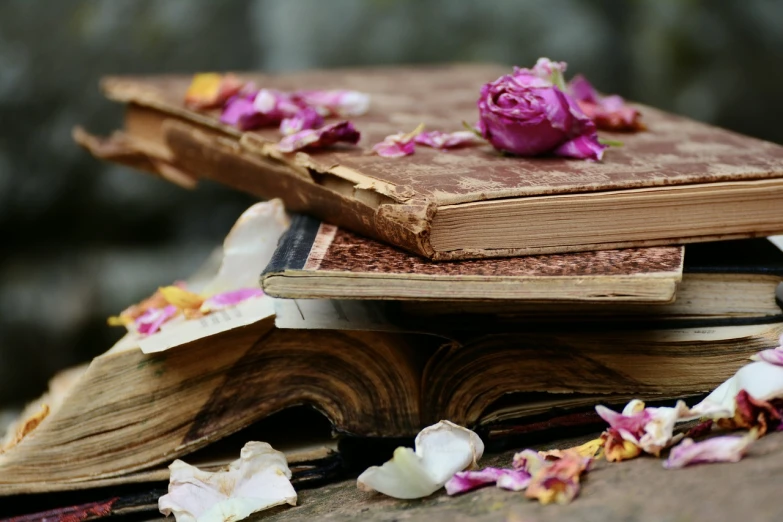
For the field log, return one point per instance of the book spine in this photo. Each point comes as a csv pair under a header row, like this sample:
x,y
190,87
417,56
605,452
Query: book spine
x,y
222,159
294,246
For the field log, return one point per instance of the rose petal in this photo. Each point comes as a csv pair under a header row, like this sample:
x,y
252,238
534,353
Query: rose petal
x,y
340,103
181,298
588,449
608,112
343,131
398,145
582,147
528,460
752,413
211,90
772,355
559,481
762,380
230,298
306,118
617,448
447,140
651,429
716,449
442,450
259,479
151,320
510,479
240,112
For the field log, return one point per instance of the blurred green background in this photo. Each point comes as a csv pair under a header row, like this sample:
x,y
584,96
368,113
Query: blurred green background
x,y
82,239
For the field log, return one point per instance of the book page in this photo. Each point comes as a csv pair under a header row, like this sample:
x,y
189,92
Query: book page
x,y
327,314
181,331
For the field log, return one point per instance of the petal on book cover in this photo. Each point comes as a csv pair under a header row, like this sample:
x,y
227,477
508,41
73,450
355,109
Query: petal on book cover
x,y
150,321
329,135
259,479
442,450
340,103
181,298
398,145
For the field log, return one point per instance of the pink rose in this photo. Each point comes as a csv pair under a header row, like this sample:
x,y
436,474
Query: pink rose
x,y
527,114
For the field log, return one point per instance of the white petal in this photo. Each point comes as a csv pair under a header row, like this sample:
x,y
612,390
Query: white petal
x,y
404,476
249,246
658,432
442,450
258,480
760,379
447,448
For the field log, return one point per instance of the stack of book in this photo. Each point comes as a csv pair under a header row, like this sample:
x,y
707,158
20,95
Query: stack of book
x,y
510,295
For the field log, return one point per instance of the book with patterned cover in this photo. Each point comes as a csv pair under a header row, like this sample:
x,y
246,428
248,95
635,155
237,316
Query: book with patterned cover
x,y
679,181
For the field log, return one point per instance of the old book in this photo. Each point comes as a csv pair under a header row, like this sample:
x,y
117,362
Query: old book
x,y
318,260
679,181
144,410
733,282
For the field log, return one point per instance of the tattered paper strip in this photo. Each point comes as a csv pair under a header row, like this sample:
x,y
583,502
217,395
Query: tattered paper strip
x,y
258,480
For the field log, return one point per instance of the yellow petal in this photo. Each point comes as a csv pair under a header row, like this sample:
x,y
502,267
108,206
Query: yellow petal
x,y
118,320
181,298
204,86
588,449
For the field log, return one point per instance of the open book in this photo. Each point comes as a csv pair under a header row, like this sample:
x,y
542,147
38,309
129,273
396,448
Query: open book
x,y
679,181
150,399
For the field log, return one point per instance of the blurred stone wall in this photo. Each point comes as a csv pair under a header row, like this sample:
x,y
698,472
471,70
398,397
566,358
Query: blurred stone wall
x,y
82,239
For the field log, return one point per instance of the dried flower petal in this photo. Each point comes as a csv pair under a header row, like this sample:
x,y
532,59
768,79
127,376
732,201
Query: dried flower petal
x,y
181,298
128,316
581,147
762,380
230,298
559,481
259,479
343,131
528,460
398,145
441,450
616,448
608,112
752,413
717,449
211,90
588,449
150,321
447,140
240,112
307,118
772,355
339,103
510,479
651,429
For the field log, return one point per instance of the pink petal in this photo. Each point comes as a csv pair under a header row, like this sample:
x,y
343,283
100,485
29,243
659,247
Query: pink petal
x,y
772,356
340,103
240,112
463,481
398,145
716,449
446,140
582,90
529,461
513,480
582,147
150,321
305,119
343,131
230,298
629,422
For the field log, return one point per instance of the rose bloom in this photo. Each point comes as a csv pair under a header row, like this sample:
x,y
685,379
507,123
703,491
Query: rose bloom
x,y
527,115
